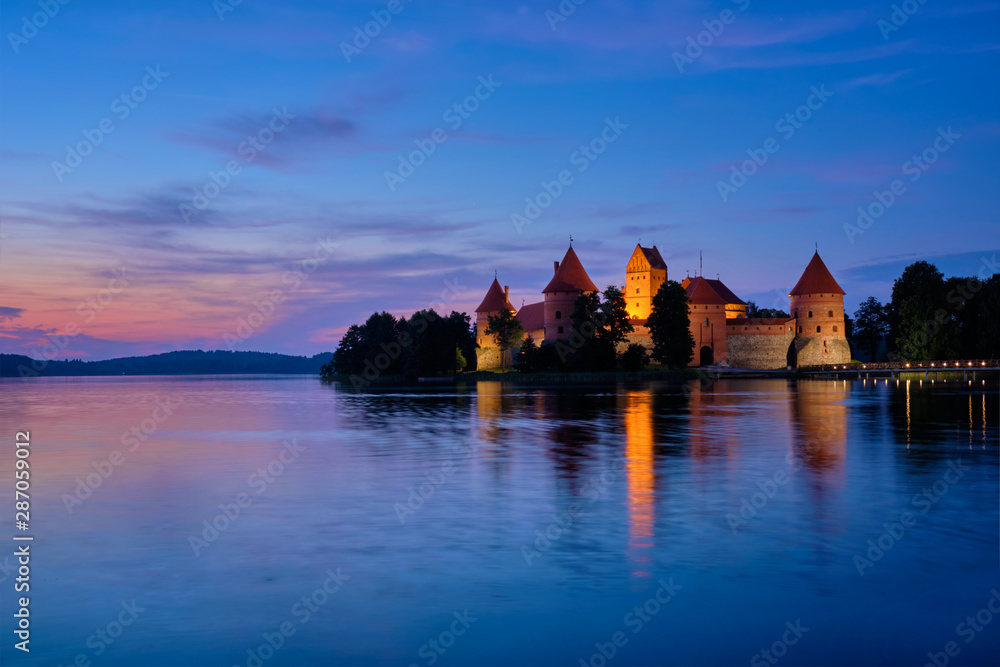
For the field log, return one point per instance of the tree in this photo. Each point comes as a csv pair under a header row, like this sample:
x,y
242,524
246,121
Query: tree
x,y
372,347
634,358
615,324
508,332
915,313
673,344
527,357
871,324
753,310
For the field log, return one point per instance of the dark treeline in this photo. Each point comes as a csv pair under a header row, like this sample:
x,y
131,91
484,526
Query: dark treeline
x,y
930,317
425,345
192,362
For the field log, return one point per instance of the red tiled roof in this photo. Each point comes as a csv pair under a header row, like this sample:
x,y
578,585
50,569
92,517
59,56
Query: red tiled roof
x,y
726,293
532,316
653,257
816,279
570,276
495,300
701,292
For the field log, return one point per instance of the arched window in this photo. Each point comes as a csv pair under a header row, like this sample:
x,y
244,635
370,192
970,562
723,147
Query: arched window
x,y
817,329
706,321
800,329
636,290
810,313
558,314
830,314
834,328
560,329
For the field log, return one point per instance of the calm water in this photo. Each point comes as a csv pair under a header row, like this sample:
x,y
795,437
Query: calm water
x,y
445,520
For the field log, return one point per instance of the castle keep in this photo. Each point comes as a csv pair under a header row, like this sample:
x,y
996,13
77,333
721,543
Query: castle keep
x,y
814,334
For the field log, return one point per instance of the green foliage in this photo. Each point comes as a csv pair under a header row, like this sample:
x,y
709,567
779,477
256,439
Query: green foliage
x,y
753,310
871,325
527,357
425,345
598,327
634,358
673,344
508,332
933,318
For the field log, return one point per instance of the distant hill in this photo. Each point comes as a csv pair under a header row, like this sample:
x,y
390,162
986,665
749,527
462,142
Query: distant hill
x,y
194,362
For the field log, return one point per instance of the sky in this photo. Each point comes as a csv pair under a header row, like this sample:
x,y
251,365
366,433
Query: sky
x,y
259,175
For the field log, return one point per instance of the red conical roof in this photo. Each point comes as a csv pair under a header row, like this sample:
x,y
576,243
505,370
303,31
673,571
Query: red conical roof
x,y
495,300
570,276
816,279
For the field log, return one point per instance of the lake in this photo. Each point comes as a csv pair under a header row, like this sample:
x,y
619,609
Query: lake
x,y
274,520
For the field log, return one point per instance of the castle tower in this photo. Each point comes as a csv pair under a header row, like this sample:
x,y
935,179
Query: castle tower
x,y
817,304
496,299
707,321
644,274
568,283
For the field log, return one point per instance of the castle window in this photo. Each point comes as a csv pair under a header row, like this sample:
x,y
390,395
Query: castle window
x,y
795,314
800,329
824,343
560,329
636,290
706,321
834,328
817,329
558,314
810,313
830,314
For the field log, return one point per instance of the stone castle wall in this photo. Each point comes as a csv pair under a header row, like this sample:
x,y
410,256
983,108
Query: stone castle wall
x,y
765,351
488,358
812,352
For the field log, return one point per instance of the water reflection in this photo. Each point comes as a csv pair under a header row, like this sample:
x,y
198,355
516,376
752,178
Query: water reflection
x,y
640,476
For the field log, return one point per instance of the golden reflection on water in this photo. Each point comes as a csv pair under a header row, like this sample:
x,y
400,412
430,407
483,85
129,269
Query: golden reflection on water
x,y
640,476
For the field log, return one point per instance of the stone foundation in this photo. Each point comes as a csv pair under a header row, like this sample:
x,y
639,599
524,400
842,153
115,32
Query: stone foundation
x,y
761,352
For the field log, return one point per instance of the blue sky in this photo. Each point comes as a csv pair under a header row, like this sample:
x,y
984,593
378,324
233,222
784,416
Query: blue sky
x,y
338,124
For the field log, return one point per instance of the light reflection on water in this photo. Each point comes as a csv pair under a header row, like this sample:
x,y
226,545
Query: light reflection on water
x,y
438,501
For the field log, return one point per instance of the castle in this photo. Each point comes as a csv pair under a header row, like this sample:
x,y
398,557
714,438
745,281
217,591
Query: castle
x,y
814,334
